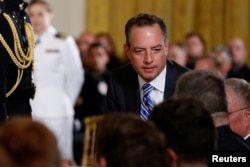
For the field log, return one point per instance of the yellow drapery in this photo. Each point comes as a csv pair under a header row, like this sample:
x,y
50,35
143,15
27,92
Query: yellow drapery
x,y
216,20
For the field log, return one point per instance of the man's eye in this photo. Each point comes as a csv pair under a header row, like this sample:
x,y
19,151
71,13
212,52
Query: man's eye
x,y
157,49
138,51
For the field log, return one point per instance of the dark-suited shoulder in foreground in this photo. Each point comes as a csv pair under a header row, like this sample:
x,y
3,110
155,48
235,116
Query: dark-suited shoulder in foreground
x,y
230,141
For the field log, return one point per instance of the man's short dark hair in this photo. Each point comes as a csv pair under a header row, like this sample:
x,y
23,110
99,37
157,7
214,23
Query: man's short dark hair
x,y
127,141
188,128
142,20
204,86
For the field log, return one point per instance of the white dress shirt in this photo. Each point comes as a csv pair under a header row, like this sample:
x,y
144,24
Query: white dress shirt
x,y
247,136
157,95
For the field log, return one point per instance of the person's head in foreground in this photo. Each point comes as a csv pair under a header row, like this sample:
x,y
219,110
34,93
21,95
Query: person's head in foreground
x,y
206,87
238,97
25,143
125,140
189,129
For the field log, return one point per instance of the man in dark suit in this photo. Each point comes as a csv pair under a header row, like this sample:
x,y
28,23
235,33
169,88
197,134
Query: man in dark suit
x,y
238,93
209,89
147,48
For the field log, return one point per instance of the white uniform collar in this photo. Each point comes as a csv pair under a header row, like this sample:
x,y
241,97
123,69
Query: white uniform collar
x,y
158,83
50,31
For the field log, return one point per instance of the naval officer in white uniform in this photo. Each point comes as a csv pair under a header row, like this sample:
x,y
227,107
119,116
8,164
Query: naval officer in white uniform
x,y
58,76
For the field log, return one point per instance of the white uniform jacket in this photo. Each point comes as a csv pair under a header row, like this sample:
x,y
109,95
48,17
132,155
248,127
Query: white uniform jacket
x,y
58,75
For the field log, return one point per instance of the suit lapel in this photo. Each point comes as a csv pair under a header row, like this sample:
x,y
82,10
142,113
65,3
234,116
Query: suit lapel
x,y
132,92
171,77
248,140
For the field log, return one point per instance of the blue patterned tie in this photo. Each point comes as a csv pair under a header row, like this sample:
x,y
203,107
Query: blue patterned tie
x,y
147,104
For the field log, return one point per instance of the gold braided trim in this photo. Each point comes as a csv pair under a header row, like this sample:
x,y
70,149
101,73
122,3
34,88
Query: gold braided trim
x,y
18,80
20,63
20,59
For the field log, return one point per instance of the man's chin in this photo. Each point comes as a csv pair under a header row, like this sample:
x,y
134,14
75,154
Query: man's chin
x,y
148,77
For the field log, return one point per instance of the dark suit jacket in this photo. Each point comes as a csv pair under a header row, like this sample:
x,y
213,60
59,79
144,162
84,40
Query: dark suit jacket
x,y
124,92
230,141
248,140
242,72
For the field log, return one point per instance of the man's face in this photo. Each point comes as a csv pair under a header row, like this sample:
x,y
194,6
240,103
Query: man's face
x,y
207,64
225,61
98,59
178,55
194,47
147,51
84,41
237,119
238,49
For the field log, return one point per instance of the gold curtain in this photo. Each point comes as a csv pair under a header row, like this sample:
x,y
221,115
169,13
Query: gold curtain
x,y
216,20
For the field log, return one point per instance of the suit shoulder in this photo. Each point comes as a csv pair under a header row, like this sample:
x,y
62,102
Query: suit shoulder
x,y
61,36
176,66
123,71
125,75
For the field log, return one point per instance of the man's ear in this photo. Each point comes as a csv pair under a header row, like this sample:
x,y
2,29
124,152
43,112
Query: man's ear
x,y
102,162
166,44
247,114
127,51
172,158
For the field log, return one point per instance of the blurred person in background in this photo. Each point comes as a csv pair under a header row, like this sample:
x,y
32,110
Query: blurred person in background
x,y
239,55
92,98
195,46
224,55
106,40
58,76
84,40
208,62
177,53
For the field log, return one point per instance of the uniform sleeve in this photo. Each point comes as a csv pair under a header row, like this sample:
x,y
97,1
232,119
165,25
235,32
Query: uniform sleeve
x,y
3,69
3,79
74,72
111,97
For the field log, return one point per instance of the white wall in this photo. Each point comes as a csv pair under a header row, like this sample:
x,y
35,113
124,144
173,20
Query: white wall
x,y
69,16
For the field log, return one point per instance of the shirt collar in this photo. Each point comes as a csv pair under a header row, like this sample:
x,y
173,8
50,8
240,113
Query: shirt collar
x,y
158,83
50,31
247,136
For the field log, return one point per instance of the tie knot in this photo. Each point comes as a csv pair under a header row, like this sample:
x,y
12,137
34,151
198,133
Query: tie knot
x,y
147,89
